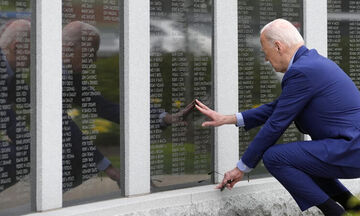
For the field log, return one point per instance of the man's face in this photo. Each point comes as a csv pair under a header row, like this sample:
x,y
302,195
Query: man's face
x,y
85,54
273,55
18,52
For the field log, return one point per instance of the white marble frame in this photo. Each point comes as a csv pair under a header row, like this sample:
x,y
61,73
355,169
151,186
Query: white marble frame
x,y
46,105
135,96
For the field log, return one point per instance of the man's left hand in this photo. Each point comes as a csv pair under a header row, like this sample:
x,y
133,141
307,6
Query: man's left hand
x,y
233,176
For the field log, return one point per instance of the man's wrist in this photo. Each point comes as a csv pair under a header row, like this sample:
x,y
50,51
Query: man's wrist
x,y
103,164
243,167
229,119
239,120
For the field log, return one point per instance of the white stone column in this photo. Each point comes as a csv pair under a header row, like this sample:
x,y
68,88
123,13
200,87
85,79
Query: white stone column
x,y
315,25
226,83
315,28
46,102
135,99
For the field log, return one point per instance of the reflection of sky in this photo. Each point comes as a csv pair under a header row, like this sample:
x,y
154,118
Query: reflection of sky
x,y
14,15
109,42
166,36
343,16
5,16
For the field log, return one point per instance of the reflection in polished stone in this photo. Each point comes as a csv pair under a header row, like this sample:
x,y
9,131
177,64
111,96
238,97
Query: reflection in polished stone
x,y
15,29
181,70
258,82
343,36
91,115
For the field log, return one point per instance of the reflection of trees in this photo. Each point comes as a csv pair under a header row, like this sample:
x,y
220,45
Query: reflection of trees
x,y
73,10
109,87
13,6
108,79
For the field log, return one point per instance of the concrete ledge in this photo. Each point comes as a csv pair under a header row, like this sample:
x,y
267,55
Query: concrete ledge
x,y
257,197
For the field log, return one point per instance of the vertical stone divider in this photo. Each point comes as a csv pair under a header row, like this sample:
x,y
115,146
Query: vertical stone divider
x,y
46,100
225,83
135,96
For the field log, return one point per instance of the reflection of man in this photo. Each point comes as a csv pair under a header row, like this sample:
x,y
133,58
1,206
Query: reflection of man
x,y
14,143
75,62
79,55
324,103
77,37
14,41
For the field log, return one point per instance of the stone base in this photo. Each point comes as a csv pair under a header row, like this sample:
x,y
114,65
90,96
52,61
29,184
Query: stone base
x,y
255,198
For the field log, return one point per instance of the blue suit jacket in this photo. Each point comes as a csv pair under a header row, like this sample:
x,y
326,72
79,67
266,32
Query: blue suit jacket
x,y
324,103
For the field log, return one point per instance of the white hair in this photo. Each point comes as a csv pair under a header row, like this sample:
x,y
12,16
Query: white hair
x,y
283,31
12,31
72,32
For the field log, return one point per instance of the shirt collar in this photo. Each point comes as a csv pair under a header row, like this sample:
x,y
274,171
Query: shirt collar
x,y
291,61
296,55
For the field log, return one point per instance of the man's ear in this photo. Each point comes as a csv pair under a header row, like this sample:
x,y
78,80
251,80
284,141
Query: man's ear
x,y
277,45
12,47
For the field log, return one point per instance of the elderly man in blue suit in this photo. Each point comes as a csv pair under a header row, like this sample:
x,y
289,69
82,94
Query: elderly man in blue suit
x,y
324,103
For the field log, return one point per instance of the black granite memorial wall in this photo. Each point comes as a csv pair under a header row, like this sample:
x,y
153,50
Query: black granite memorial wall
x,y
15,28
181,70
91,143
258,82
343,36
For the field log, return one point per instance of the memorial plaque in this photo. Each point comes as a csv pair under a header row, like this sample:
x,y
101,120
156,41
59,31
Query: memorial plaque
x,y
343,36
15,27
258,83
91,143
181,70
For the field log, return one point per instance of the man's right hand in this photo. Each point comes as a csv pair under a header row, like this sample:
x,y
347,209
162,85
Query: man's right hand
x,y
217,119
113,173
